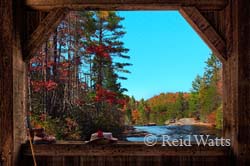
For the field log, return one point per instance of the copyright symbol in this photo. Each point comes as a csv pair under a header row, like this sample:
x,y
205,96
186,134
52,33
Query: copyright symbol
x,y
150,140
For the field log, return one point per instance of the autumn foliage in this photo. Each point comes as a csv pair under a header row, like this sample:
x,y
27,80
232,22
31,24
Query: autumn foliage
x,y
203,102
73,81
100,51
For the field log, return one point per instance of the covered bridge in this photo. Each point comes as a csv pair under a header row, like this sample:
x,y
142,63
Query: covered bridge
x,y
223,24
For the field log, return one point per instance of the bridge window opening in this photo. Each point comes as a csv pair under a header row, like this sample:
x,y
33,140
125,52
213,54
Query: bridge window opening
x,y
131,73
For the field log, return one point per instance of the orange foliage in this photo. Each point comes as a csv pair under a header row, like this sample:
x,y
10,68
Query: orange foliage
x,y
211,118
135,115
71,124
103,14
165,98
220,84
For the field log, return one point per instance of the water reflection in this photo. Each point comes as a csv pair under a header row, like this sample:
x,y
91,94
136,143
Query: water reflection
x,y
174,132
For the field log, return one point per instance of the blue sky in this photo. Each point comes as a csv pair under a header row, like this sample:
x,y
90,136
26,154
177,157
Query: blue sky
x,y
165,51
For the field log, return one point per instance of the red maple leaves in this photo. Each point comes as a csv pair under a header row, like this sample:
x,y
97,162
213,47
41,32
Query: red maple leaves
x,y
99,50
38,64
47,85
104,95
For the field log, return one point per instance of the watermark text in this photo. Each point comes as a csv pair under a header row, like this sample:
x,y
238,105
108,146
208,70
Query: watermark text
x,y
189,140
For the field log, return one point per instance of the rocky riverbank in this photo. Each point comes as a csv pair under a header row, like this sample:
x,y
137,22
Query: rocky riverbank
x,y
130,131
188,121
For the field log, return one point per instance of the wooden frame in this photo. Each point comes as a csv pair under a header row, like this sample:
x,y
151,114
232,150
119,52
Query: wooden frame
x,y
68,153
206,31
195,18
43,31
126,4
227,21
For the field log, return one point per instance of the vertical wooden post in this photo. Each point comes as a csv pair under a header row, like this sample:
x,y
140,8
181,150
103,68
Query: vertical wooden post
x,y
241,17
237,89
229,78
19,82
12,83
6,82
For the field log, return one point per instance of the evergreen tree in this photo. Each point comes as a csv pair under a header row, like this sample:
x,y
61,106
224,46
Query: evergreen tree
x,y
180,106
76,70
105,32
196,84
210,100
194,101
131,105
142,112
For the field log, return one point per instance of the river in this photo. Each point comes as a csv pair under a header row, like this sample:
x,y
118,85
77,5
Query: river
x,y
174,132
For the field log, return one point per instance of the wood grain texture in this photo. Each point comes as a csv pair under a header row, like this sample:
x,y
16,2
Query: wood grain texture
x,y
43,31
206,31
126,4
242,49
225,28
6,81
123,149
123,154
32,20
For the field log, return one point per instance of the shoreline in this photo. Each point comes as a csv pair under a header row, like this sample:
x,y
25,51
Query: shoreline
x,y
130,131
189,121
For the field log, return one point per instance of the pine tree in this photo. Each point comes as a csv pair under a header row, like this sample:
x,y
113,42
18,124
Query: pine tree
x,y
105,31
180,106
194,101
76,69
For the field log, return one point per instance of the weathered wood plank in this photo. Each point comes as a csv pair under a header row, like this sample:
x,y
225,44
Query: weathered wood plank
x,y
206,31
32,20
241,32
217,21
126,4
127,154
133,161
43,31
6,82
229,69
124,149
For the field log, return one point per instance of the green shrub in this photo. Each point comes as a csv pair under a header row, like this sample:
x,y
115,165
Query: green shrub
x,y
219,118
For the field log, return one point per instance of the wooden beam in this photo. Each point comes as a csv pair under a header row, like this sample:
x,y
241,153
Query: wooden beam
x,y
206,31
241,43
64,148
126,4
6,82
63,153
43,31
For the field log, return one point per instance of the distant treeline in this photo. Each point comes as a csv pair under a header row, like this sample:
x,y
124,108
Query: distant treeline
x,y
74,84
203,102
